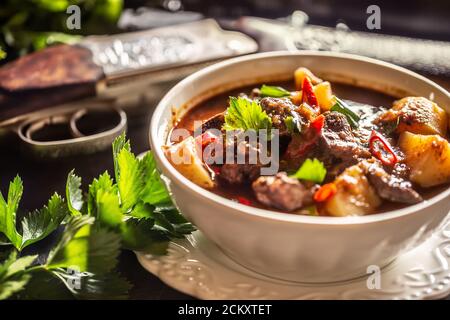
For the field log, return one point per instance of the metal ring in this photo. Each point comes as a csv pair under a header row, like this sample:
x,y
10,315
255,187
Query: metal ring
x,y
38,125
73,123
80,144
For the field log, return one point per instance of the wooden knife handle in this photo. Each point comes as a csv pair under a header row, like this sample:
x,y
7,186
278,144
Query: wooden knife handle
x,y
48,77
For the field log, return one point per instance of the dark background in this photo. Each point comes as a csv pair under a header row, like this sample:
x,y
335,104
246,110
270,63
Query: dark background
x,y
414,18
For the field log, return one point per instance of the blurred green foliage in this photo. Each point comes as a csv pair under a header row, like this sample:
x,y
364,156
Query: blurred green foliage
x,y
29,25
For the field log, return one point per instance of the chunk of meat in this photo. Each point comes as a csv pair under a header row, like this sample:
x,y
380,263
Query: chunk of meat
x,y
282,192
390,186
215,122
278,110
233,173
338,141
245,168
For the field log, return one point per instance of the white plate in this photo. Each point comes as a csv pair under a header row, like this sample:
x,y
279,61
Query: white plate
x,y
199,268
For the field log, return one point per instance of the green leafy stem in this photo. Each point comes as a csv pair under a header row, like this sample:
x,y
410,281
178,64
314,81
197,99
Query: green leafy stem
x,y
133,211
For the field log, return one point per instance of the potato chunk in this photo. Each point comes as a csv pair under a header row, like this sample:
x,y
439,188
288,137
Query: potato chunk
x,y
300,74
355,196
428,156
417,115
324,95
186,159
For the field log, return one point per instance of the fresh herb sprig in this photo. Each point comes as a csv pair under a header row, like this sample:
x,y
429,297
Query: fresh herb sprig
x,y
342,107
273,91
87,230
246,114
311,170
29,25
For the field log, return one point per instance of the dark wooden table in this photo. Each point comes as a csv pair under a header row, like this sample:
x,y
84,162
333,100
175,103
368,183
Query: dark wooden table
x,y
42,178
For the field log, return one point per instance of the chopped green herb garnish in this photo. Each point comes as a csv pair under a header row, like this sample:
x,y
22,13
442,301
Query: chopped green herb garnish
x,y
342,107
246,114
311,170
274,91
292,124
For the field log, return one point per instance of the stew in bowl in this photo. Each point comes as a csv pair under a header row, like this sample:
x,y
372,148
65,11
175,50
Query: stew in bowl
x,y
326,148
367,143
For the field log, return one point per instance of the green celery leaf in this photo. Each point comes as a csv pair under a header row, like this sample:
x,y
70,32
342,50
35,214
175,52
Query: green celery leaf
x,y
44,285
311,170
155,191
138,234
53,6
131,179
108,209
12,276
176,230
172,214
13,285
168,219
20,265
88,285
90,249
341,107
245,114
8,211
73,225
39,224
293,124
142,210
104,182
119,143
274,91
8,260
74,194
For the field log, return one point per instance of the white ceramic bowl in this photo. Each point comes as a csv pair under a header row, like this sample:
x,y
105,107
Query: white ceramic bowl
x,y
286,246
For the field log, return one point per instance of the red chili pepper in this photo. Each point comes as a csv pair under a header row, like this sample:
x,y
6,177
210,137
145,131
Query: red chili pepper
x,y
325,192
300,146
388,157
318,123
308,94
245,201
205,139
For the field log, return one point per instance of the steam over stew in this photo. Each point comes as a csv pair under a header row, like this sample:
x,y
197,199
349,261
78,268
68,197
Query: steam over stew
x,y
303,147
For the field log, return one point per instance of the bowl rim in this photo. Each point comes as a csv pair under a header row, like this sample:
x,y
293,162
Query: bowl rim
x,y
209,196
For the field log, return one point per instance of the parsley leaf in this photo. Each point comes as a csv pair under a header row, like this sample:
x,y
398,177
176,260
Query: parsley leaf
x,y
8,211
40,223
108,286
293,125
74,194
119,143
135,212
342,107
274,91
108,208
89,249
139,234
13,285
104,182
131,178
155,191
245,114
311,170
12,276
